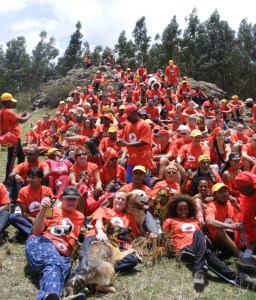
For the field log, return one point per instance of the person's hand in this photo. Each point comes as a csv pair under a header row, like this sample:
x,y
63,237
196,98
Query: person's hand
x,y
189,174
46,202
237,226
208,199
19,179
101,236
121,143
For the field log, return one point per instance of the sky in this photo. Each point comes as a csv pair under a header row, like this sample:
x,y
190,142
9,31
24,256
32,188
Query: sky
x,y
104,20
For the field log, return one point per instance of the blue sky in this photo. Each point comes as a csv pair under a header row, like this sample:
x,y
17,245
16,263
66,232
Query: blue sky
x,y
103,20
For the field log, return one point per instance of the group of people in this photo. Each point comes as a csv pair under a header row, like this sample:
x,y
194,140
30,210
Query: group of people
x,y
149,132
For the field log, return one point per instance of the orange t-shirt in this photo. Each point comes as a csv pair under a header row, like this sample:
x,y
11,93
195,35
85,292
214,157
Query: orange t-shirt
x,y
122,219
223,213
90,167
163,183
108,144
129,187
32,198
242,138
23,168
64,244
152,111
4,196
181,231
172,73
189,155
9,122
142,155
106,175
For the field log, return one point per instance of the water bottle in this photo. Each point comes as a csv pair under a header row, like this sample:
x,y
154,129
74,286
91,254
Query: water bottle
x,y
243,240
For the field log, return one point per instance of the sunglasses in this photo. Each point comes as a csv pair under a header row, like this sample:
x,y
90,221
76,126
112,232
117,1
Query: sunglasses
x,y
171,172
82,154
113,158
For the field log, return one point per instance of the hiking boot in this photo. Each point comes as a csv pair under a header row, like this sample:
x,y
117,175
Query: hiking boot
x,y
199,279
245,281
246,264
52,296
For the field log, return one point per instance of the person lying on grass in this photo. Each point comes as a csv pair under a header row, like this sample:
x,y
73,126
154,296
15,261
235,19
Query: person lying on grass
x,y
183,233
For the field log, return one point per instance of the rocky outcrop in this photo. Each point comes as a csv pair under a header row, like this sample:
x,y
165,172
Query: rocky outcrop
x,y
81,77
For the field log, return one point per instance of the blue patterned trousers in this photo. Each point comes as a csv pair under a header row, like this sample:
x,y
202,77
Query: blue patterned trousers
x,y
52,267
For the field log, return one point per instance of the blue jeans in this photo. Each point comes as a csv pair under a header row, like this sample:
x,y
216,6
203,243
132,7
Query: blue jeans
x,y
52,267
21,223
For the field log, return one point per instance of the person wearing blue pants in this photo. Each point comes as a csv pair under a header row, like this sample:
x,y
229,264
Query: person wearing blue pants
x,y
49,249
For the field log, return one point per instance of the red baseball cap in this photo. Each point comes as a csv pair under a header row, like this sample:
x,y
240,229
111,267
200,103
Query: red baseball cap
x,y
244,179
129,109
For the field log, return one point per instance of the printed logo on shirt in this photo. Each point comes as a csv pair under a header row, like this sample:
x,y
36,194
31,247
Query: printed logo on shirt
x,y
229,221
132,137
191,158
68,222
34,206
117,221
187,227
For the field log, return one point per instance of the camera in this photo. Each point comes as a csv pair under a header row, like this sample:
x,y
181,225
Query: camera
x,y
60,230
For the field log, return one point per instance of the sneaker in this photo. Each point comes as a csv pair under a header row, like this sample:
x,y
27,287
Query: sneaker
x,y
79,296
199,279
246,264
245,281
52,296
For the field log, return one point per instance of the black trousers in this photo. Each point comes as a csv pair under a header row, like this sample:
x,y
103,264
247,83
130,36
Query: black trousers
x,y
204,259
4,218
12,153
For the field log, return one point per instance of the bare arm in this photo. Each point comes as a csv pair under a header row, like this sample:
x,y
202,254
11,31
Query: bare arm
x,y
38,225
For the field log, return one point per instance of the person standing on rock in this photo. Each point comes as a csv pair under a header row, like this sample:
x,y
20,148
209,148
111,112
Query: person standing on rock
x,y
10,121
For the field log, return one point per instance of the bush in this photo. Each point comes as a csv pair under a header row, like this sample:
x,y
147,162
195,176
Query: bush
x,y
23,101
57,93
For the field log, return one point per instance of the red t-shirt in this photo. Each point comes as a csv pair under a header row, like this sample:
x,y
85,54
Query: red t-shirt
x,y
106,175
23,168
129,187
90,167
32,198
9,122
122,219
181,231
64,244
142,155
163,183
4,196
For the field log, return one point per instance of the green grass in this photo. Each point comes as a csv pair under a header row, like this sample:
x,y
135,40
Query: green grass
x,y
157,280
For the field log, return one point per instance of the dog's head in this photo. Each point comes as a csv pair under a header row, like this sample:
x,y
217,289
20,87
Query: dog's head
x,y
137,199
115,232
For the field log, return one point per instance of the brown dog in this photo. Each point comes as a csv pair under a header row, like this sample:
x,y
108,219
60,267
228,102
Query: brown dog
x,y
99,261
137,204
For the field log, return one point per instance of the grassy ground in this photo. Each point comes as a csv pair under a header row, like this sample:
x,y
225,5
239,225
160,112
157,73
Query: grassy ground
x,y
153,280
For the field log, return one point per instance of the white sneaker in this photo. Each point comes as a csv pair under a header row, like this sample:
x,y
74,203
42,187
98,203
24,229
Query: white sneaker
x,y
17,210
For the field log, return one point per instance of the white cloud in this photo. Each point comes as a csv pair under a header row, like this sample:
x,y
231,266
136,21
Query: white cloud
x,y
103,20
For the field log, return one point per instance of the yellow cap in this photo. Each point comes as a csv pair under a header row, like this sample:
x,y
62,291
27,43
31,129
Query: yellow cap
x,y
235,97
112,129
218,186
203,157
62,102
224,100
121,107
51,151
140,168
7,97
195,132
170,62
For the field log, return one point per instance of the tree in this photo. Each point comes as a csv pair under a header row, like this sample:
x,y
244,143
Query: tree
x,y
171,41
72,56
141,41
18,72
125,50
2,69
43,57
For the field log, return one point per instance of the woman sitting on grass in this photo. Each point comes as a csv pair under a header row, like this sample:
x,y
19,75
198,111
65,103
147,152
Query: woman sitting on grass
x,y
183,232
